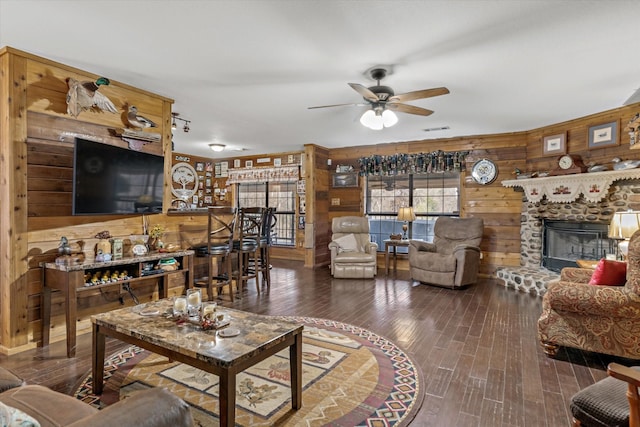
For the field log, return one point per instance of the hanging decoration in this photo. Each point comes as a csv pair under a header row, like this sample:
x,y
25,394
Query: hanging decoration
x,y
399,164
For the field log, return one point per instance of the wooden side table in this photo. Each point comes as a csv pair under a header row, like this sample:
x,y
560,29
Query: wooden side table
x,y
392,244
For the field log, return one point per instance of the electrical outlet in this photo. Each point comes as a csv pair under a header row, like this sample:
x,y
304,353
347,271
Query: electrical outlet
x,y
335,202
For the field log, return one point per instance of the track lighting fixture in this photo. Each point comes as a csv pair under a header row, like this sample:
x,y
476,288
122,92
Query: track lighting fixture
x,y
174,124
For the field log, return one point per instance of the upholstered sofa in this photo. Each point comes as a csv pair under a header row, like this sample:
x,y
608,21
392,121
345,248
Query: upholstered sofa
x,y
353,255
603,319
453,259
154,407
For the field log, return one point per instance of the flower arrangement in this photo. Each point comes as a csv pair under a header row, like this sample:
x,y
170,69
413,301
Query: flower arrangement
x,y
157,231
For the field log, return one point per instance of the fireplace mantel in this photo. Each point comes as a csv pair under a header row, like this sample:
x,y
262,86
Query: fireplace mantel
x,y
567,188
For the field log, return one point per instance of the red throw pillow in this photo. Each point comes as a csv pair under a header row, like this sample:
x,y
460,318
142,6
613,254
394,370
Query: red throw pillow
x,y
609,273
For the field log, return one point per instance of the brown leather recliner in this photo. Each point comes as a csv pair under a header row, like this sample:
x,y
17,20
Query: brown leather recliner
x,y
154,407
353,255
453,259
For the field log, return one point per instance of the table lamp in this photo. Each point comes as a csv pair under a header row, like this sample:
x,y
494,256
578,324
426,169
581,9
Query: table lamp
x,y
622,227
406,215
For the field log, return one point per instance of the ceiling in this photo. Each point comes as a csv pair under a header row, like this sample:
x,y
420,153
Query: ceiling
x,y
244,72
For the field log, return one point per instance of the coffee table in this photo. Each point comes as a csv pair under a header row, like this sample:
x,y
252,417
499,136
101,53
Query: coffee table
x,y
148,326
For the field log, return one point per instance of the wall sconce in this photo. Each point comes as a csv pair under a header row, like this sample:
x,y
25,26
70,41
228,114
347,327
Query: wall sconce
x,y
174,124
407,215
217,147
622,227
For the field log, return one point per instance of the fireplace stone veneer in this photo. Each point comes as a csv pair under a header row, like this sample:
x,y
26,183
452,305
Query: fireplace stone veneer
x,y
622,195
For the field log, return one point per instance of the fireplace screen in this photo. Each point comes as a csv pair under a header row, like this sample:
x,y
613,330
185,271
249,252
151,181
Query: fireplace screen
x,y
565,242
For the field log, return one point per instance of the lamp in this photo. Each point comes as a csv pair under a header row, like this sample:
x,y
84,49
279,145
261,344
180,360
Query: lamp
x,y
378,117
406,215
174,124
217,147
622,227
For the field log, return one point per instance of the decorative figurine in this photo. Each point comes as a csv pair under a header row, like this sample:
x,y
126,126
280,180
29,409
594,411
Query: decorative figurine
x,y
137,121
64,248
84,95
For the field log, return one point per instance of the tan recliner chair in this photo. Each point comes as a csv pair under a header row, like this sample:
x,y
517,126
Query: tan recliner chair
x,y
453,259
353,255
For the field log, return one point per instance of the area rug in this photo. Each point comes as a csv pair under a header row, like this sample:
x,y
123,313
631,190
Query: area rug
x,y
351,377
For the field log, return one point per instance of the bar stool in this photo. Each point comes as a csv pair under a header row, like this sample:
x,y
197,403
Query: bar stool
x,y
246,245
612,401
268,225
220,233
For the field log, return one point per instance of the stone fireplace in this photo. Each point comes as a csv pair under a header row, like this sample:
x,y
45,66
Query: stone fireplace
x,y
554,200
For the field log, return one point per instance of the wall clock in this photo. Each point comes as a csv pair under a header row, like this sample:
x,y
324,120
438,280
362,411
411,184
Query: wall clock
x,y
484,171
569,164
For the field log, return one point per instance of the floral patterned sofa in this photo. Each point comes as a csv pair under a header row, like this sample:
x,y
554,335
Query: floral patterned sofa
x,y
603,319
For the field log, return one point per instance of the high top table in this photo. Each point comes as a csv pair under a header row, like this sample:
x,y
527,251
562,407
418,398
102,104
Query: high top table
x,y
148,326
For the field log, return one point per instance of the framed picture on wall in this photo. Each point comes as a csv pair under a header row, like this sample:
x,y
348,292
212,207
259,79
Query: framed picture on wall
x,y
553,145
342,180
604,135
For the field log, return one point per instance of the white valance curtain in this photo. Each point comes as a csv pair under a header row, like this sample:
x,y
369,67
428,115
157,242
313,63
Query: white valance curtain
x,y
286,173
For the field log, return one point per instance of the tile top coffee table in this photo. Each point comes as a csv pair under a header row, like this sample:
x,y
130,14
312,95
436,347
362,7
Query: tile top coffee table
x,y
148,326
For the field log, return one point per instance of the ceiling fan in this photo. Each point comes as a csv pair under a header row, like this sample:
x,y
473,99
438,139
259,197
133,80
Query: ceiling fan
x,y
383,101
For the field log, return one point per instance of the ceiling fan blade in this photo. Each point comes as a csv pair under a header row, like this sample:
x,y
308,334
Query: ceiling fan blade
x,y
365,92
419,94
411,109
338,105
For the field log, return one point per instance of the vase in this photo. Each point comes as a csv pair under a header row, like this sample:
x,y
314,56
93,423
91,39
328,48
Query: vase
x,y
151,244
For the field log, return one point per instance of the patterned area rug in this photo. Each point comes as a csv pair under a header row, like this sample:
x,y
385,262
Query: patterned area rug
x,y
351,377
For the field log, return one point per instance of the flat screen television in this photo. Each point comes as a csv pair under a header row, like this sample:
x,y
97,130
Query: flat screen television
x,y
112,180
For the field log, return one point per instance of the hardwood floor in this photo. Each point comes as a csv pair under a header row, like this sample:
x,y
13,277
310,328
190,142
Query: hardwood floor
x,y
477,347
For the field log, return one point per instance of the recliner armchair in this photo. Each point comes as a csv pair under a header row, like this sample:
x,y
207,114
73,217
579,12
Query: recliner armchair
x,y
453,259
353,255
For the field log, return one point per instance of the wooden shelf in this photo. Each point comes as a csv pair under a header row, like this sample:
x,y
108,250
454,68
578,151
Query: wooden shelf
x,y
70,280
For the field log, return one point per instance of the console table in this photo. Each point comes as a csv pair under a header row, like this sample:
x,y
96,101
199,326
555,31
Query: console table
x,y
70,280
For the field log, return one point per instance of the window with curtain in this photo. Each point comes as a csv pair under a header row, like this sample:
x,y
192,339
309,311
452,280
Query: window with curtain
x,y
279,195
431,196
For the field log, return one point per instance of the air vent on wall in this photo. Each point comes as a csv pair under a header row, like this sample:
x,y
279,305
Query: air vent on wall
x,y
435,129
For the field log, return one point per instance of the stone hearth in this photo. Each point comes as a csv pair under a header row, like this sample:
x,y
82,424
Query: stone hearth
x,y
530,277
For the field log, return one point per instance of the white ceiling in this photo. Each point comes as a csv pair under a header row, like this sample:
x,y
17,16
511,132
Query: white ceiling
x,y
244,72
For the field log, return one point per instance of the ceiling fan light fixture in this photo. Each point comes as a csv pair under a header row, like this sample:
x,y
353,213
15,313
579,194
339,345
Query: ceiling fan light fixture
x,y
378,119
368,119
217,147
389,118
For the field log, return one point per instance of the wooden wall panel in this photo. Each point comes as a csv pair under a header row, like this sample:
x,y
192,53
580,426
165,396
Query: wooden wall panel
x,y
577,140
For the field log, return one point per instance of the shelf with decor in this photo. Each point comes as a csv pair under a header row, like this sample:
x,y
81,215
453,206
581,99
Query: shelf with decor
x,y
567,188
73,280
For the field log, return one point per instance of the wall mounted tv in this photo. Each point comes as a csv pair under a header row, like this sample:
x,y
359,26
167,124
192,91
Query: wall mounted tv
x,y
113,180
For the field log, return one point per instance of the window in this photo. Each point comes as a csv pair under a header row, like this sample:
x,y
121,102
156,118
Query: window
x,y
279,195
431,195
